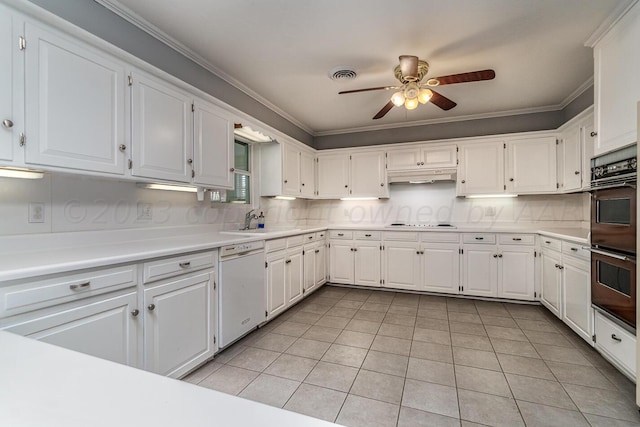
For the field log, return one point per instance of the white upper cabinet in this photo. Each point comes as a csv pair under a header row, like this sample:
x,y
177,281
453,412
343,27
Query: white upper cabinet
x,y
307,174
75,103
212,146
424,156
11,74
291,169
368,177
570,167
333,175
161,129
531,166
481,169
617,87
286,170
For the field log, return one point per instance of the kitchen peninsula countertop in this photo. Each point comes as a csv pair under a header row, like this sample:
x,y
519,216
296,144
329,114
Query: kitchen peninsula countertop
x,y
46,385
25,256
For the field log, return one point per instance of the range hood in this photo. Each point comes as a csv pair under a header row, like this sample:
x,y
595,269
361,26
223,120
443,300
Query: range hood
x,y
427,176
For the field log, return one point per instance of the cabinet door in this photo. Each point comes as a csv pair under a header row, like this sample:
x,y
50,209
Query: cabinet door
x,y
571,157
11,74
516,269
212,146
75,104
404,158
291,170
588,141
480,270
402,265
341,258
441,268
309,268
551,280
333,175
368,177
294,275
105,328
531,166
307,174
161,129
367,263
178,324
439,157
577,312
320,276
481,169
276,284
616,85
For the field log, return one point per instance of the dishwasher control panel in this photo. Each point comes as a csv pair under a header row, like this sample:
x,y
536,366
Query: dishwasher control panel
x,y
240,248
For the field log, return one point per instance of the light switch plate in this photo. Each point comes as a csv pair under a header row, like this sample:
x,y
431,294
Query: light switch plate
x,y
36,212
145,211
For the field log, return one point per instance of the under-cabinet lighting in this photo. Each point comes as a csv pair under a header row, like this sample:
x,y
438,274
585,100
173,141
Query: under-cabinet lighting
x,y
284,198
168,187
20,173
489,196
358,198
422,182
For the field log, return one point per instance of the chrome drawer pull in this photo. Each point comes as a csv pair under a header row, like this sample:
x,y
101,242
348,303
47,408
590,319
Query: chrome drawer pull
x,y
340,234
547,242
479,238
80,286
185,264
615,338
367,235
516,239
574,249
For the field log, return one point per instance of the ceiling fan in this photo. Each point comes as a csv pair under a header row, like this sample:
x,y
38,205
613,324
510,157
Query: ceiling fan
x,y
410,72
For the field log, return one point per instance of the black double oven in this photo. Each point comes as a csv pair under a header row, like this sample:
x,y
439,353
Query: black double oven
x,y
613,233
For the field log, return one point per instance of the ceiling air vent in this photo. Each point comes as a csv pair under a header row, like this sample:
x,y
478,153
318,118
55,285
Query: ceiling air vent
x,y
343,73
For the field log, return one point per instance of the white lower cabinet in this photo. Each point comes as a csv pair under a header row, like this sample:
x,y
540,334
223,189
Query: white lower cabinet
x,y
179,323
276,283
293,267
441,268
320,264
402,265
516,272
367,263
107,327
577,311
309,267
616,344
480,270
342,258
552,282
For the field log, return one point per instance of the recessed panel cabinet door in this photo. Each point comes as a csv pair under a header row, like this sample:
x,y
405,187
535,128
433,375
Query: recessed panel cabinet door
x,y
309,268
551,283
294,275
480,270
401,265
441,268
333,175
10,73
320,264
577,312
481,169
276,283
531,166
571,160
368,177
75,104
161,129
341,265
291,170
367,263
307,174
516,267
213,146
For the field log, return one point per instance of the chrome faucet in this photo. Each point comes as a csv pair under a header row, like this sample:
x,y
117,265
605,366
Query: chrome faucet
x,y
247,219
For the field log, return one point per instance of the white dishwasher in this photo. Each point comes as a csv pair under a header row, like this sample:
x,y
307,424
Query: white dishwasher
x,y
241,295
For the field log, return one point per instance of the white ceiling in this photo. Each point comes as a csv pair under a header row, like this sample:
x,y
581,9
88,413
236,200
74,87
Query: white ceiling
x,y
281,51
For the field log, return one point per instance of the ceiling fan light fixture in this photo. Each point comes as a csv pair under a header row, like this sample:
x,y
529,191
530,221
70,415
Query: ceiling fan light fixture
x,y
411,103
398,99
425,95
433,82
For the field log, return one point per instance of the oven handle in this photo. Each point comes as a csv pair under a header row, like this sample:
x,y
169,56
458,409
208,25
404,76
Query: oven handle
x,y
612,255
619,185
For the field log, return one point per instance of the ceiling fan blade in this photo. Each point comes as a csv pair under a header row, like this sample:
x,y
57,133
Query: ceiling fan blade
x,y
472,76
367,89
409,67
384,111
442,101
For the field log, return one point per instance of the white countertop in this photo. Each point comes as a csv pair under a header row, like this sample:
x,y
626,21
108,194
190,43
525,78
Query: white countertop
x,y
35,255
45,385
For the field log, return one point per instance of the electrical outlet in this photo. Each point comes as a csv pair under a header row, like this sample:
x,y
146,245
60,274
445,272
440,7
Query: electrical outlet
x,y
490,211
36,212
145,211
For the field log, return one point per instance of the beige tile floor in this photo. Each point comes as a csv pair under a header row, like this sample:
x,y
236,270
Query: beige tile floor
x,y
374,358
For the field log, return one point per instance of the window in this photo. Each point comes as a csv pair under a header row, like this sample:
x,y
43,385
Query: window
x,y
242,175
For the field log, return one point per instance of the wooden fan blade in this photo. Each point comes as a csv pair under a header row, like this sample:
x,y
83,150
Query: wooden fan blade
x,y
472,76
366,90
384,111
442,101
409,66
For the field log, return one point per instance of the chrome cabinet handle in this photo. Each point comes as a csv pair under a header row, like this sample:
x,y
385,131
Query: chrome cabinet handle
x,y
479,238
355,249
189,161
381,184
232,170
499,255
317,251
418,164
135,312
495,255
185,264
593,134
511,179
122,148
615,338
576,173
340,234
367,235
463,181
516,239
310,237
151,307
285,181
287,261
7,123
80,286
574,249
547,242
346,186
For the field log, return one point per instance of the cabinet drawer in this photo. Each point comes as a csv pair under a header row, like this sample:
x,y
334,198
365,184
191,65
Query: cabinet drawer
x,y
550,243
367,235
340,234
622,351
439,237
576,250
48,292
309,238
479,238
275,245
516,239
174,266
401,236
320,235
295,240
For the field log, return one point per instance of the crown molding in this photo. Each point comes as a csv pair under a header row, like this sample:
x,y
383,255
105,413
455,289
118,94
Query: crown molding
x,y
576,93
141,23
609,22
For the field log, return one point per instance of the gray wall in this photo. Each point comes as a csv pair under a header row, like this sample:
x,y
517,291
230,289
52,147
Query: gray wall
x,y
105,24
